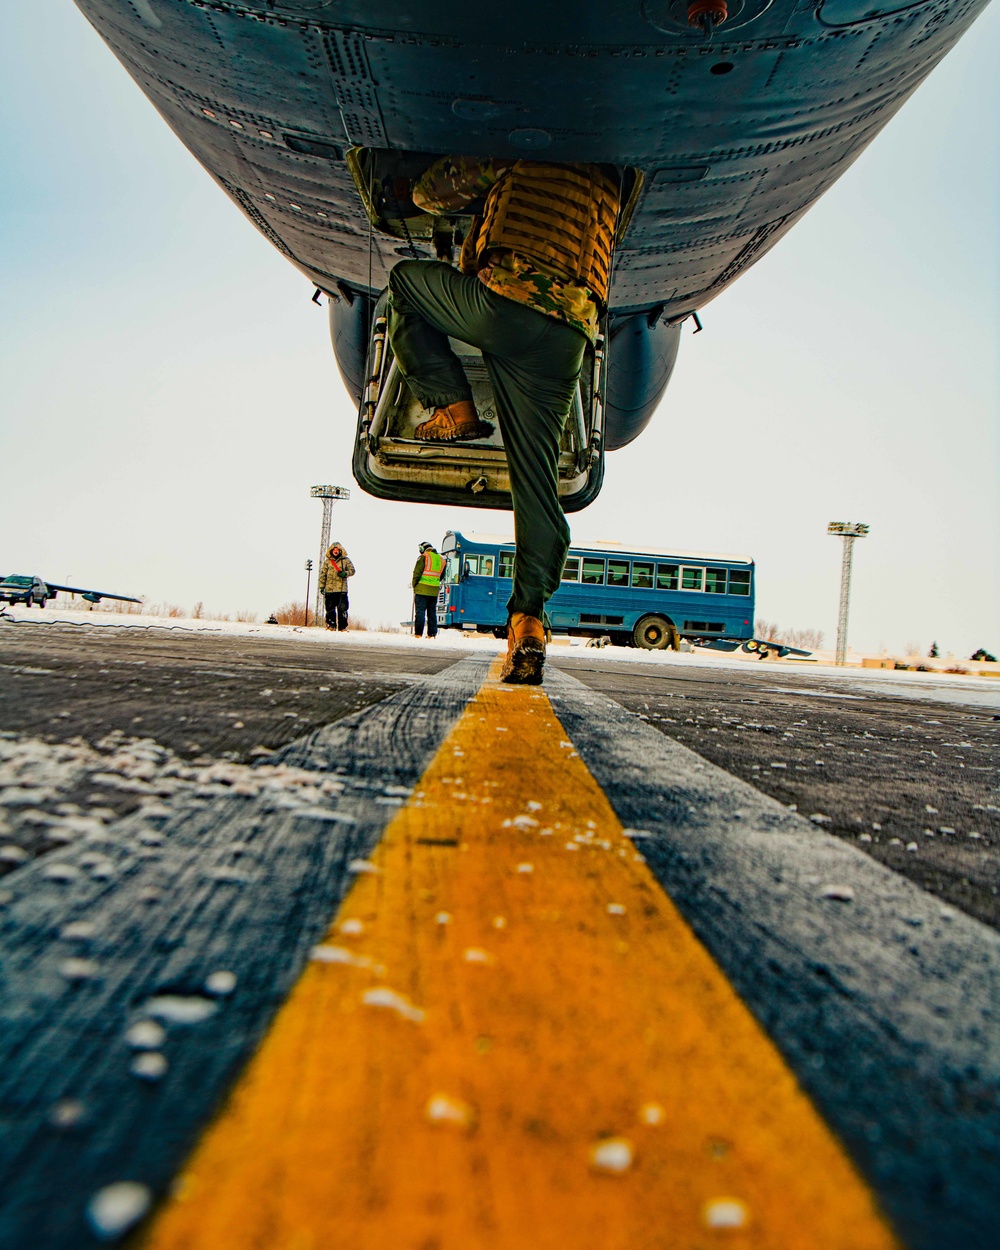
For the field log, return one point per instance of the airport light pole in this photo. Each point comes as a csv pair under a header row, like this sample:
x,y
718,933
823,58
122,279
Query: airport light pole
x,y
328,494
309,570
848,531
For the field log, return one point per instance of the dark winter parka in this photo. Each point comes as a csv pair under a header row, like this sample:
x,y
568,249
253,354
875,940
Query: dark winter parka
x,y
336,569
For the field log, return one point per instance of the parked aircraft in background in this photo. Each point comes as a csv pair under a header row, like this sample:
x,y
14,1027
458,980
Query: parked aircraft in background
x,y
725,119
21,588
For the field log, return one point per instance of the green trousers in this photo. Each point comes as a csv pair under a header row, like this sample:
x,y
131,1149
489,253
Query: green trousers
x,y
534,364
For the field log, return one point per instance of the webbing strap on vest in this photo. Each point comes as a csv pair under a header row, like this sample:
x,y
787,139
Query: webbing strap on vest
x,y
561,215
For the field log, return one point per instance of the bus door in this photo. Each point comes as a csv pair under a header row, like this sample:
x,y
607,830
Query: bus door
x,y
482,603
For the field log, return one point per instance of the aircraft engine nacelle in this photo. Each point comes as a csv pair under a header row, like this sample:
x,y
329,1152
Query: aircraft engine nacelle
x,y
350,325
640,360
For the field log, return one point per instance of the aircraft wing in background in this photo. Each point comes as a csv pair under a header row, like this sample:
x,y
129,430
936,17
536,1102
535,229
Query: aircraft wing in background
x,y
92,596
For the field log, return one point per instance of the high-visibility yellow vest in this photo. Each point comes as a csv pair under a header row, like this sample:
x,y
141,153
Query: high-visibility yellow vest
x,y
561,215
430,578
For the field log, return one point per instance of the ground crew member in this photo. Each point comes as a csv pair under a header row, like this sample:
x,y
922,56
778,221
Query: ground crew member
x,y
535,275
426,584
337,568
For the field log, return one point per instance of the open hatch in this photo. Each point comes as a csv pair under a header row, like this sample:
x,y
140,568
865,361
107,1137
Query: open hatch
x,y
389,461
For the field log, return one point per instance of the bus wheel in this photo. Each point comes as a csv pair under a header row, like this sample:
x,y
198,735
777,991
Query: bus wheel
x,y
653,633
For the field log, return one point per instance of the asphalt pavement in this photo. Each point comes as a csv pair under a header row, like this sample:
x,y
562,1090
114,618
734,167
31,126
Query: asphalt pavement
x,y
912,781
313,938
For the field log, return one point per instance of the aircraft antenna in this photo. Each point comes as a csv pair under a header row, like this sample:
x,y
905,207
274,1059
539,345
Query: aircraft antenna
x,y
328,494
848,531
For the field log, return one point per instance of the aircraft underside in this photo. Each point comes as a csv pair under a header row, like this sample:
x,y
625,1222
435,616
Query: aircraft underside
x,y
729,138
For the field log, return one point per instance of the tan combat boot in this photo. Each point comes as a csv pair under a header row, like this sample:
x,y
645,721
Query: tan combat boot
x,y
458,420
525,651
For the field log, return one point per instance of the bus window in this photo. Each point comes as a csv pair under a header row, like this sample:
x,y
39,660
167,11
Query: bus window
x,y
715,581
691,579
485,566
593,571
506,564
642,575
617,572
666,576
571,570
451,568
739,581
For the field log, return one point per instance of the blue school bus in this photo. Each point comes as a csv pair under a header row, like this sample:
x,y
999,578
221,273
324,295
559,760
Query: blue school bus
x,y
648,599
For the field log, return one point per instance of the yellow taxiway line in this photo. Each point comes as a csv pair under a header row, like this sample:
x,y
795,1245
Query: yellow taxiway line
x,y
511,1040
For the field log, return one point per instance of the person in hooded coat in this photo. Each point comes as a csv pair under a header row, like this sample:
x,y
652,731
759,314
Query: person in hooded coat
x,y
337,568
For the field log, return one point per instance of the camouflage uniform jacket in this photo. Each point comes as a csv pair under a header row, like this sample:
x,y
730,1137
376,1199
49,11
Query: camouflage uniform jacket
x,y
335,571
452,183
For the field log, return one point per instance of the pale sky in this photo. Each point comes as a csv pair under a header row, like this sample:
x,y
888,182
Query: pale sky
x,y
169,393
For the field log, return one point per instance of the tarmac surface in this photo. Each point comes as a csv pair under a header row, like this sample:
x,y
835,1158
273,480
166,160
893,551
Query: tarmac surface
x,y
913,781
439,964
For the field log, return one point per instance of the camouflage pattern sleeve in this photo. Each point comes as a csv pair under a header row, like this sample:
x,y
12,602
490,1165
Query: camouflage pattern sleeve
x,y
453,182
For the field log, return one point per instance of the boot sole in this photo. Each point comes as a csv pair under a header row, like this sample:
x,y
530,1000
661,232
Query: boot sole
x,y
524,663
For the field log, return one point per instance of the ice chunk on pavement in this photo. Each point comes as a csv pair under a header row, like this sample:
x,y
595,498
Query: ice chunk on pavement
x,y
146,1035
444,1109
78,931
61,872
78,969
474,955
612,1154
725,1213
652,1113
382,996
220,983
326,954
149,1066
181,1009
67,1113
114,1209
360,866
841,893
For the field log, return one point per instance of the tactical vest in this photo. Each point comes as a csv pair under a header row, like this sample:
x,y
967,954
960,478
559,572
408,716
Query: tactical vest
x,y
561,215
430,578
